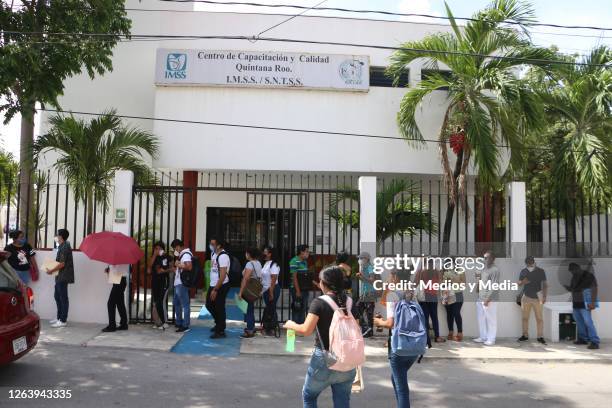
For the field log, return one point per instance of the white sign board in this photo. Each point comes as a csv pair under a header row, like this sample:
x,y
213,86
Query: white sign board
x,y
267,69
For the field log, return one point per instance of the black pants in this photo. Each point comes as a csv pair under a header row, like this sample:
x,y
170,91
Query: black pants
x,y
430,309
217,308
453,315
116,300
366,315
159,291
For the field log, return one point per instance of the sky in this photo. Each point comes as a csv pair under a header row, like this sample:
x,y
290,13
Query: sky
x,y
566,12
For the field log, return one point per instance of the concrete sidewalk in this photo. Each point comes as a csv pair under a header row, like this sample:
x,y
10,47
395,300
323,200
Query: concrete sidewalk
x,y
504,350
144,337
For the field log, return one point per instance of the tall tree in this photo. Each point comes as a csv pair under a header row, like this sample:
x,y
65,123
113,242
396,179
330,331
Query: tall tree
x,y
41,44
488,105
576,147
91,152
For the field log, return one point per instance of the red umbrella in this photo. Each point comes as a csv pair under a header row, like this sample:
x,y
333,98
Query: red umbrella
x,y
113,248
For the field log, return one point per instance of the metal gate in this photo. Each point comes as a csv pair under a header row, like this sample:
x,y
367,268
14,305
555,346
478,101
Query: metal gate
x,y
275,210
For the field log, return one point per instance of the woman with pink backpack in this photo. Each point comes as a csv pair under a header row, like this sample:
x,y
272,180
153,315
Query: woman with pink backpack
x,y
339,346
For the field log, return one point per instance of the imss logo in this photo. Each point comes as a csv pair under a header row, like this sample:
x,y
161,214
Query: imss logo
x,y
176,66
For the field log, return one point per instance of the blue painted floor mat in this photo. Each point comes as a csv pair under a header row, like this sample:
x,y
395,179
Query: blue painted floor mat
x,y
232,311
198,341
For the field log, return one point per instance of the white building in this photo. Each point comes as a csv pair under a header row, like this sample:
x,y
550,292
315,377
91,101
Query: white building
x,y
248,156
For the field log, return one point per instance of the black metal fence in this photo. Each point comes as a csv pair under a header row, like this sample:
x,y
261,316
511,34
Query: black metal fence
x,y
581,230
49,204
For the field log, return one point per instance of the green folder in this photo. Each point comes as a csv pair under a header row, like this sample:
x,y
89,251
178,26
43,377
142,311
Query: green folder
x,y
241,303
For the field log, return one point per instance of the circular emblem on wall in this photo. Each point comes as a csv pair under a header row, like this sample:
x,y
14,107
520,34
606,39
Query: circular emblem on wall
x,y
351,71
14,301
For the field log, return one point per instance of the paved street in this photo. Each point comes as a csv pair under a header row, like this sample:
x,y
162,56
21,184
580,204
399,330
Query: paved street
x,y
104,376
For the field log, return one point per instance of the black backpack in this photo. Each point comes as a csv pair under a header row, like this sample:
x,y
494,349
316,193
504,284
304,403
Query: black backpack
x,y
235,269
191,278
269,320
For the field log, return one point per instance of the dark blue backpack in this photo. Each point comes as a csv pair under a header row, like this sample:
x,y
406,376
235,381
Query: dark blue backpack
x,y
409,333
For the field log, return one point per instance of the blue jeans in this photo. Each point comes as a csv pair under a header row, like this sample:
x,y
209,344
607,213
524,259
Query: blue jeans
x,y
61,300
319,377
585,326
266,296
399,377
299,314
23,275
180,304
249,317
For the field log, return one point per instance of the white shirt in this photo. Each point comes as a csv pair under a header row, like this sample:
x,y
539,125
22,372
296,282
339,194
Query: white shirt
x,y
184,256
223,262
268,270
116,272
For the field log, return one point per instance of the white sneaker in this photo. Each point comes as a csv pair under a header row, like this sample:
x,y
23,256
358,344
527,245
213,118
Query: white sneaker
x,y
479,340
489,343
164,326
59,324
52,322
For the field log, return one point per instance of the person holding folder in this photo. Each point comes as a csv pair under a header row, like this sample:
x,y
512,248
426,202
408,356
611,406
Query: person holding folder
x,y
116,298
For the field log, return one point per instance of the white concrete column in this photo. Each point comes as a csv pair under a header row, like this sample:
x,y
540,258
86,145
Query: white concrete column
x,y
122,201
516,218
367,214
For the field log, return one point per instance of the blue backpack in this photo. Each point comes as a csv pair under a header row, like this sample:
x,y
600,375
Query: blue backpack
x,y
409,333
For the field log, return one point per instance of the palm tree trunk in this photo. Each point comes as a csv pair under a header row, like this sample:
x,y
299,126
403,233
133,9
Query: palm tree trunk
x,y
26,191
450,211
90,211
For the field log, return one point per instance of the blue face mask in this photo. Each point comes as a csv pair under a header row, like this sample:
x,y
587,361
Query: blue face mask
x,y
21,241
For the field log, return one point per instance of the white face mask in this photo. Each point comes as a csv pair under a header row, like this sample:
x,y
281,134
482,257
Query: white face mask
x,y
362,262
176,253
56,240
531,268
161,252
212,248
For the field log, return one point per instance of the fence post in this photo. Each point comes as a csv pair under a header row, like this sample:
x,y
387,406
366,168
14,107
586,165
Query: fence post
x,y
516,219
122,201
367,215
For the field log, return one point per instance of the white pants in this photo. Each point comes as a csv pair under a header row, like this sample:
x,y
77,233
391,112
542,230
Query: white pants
x,y
487,320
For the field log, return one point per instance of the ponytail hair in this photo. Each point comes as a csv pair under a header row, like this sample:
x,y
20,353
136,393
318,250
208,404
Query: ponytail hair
x,y
333,278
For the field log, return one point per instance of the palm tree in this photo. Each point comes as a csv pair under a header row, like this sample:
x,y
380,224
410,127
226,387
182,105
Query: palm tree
x,y
578,102
91,152
488,106
399,211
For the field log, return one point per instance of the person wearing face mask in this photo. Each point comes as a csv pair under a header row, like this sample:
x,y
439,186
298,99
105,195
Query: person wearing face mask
x,y
181,301
65,276
533,281
161,266
21,255
367,294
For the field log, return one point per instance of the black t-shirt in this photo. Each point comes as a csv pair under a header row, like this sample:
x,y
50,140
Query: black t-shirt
x,y
161,262
320,308
536,278
20,256
579,283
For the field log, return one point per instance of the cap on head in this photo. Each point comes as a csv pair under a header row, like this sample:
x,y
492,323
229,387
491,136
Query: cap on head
x,y
364,255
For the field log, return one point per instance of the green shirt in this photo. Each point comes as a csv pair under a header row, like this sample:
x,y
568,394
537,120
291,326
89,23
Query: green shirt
x,y
297,265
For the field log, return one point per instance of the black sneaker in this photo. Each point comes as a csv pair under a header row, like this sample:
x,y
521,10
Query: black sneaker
x,y
109,329
218,335
213,329
183,329
593,346
541,340
524,338
123,327
580,342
